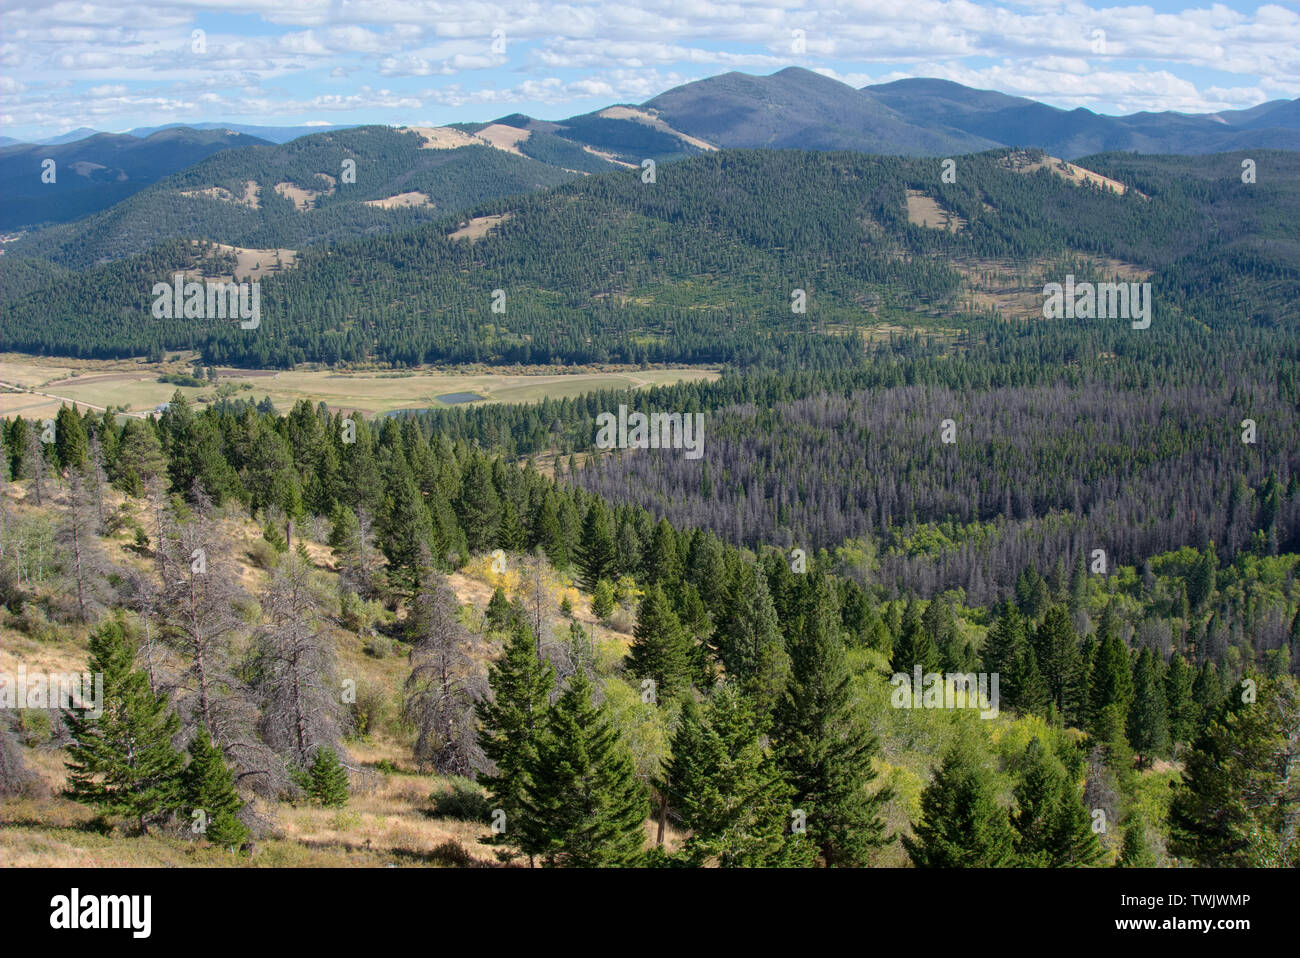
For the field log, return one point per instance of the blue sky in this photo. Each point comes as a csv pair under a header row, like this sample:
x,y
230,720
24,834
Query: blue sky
x,y
117,65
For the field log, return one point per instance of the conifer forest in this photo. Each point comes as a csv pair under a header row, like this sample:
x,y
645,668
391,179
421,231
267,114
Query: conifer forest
x,y
783,472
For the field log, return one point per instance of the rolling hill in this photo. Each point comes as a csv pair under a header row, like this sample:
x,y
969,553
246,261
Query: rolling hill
x,y
95,172
700,266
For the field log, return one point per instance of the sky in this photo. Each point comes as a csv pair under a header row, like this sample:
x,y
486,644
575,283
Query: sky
x,y
117,65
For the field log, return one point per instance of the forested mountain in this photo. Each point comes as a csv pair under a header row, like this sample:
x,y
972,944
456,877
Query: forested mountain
x,y
799,109
702,265
95,172
299,194
1016,121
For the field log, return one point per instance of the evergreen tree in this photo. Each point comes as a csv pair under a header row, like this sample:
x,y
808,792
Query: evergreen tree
x,y
511,722
582,804
209,788
962,823
1052,826
914,646
1238,804
602,600
500,615
1179,680
123,762
823,749
326,779
1136,851
405,529
1207,693
1110,734
1111,682
70,440
727,790
550,533
663,561
511,536
748,640
1201,579
479,505
1148,715
659,649
1057,649
596,550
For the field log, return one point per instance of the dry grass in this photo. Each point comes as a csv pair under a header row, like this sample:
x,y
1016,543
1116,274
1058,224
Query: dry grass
x,y
1023,163
923,210
504,137
478,227
651,119
303,200
412,198
251,197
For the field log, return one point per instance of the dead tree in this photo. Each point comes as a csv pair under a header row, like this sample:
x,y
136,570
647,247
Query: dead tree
x,y
444,684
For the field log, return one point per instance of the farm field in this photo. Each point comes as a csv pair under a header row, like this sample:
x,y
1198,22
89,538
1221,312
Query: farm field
x,y
135,385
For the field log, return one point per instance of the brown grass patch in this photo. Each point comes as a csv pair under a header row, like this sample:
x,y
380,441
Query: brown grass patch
x,y
922,210
478,227
412,198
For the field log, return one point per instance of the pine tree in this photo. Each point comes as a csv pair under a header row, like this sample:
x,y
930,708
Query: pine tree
x,y
1207,693
582,805
70,441
1136,851
962,823
511,721
501,615
405,528
123,762
1053,829
479,505
914,646
1111,682
511,536
209,789
1110,734
1179,679
596,549
1201,579
1004,655
727,790
1238,804
660,650
822,748
1057,648
326,779
602,600
1148,716
550,533
748,640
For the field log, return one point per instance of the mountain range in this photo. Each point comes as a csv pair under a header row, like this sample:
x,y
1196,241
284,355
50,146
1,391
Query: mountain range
x,y
268,187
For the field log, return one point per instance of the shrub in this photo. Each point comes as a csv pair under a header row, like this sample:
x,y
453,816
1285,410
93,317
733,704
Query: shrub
x,y
452,854
463,799
263,554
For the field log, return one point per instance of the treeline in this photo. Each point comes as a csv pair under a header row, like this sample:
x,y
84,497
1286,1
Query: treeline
x,y
759,669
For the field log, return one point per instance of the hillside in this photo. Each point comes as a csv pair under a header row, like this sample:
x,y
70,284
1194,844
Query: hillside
x,y
701,266
96,172
297,194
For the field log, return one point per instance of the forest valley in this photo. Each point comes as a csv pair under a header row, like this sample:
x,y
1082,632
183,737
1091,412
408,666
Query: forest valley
x,y
414,648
